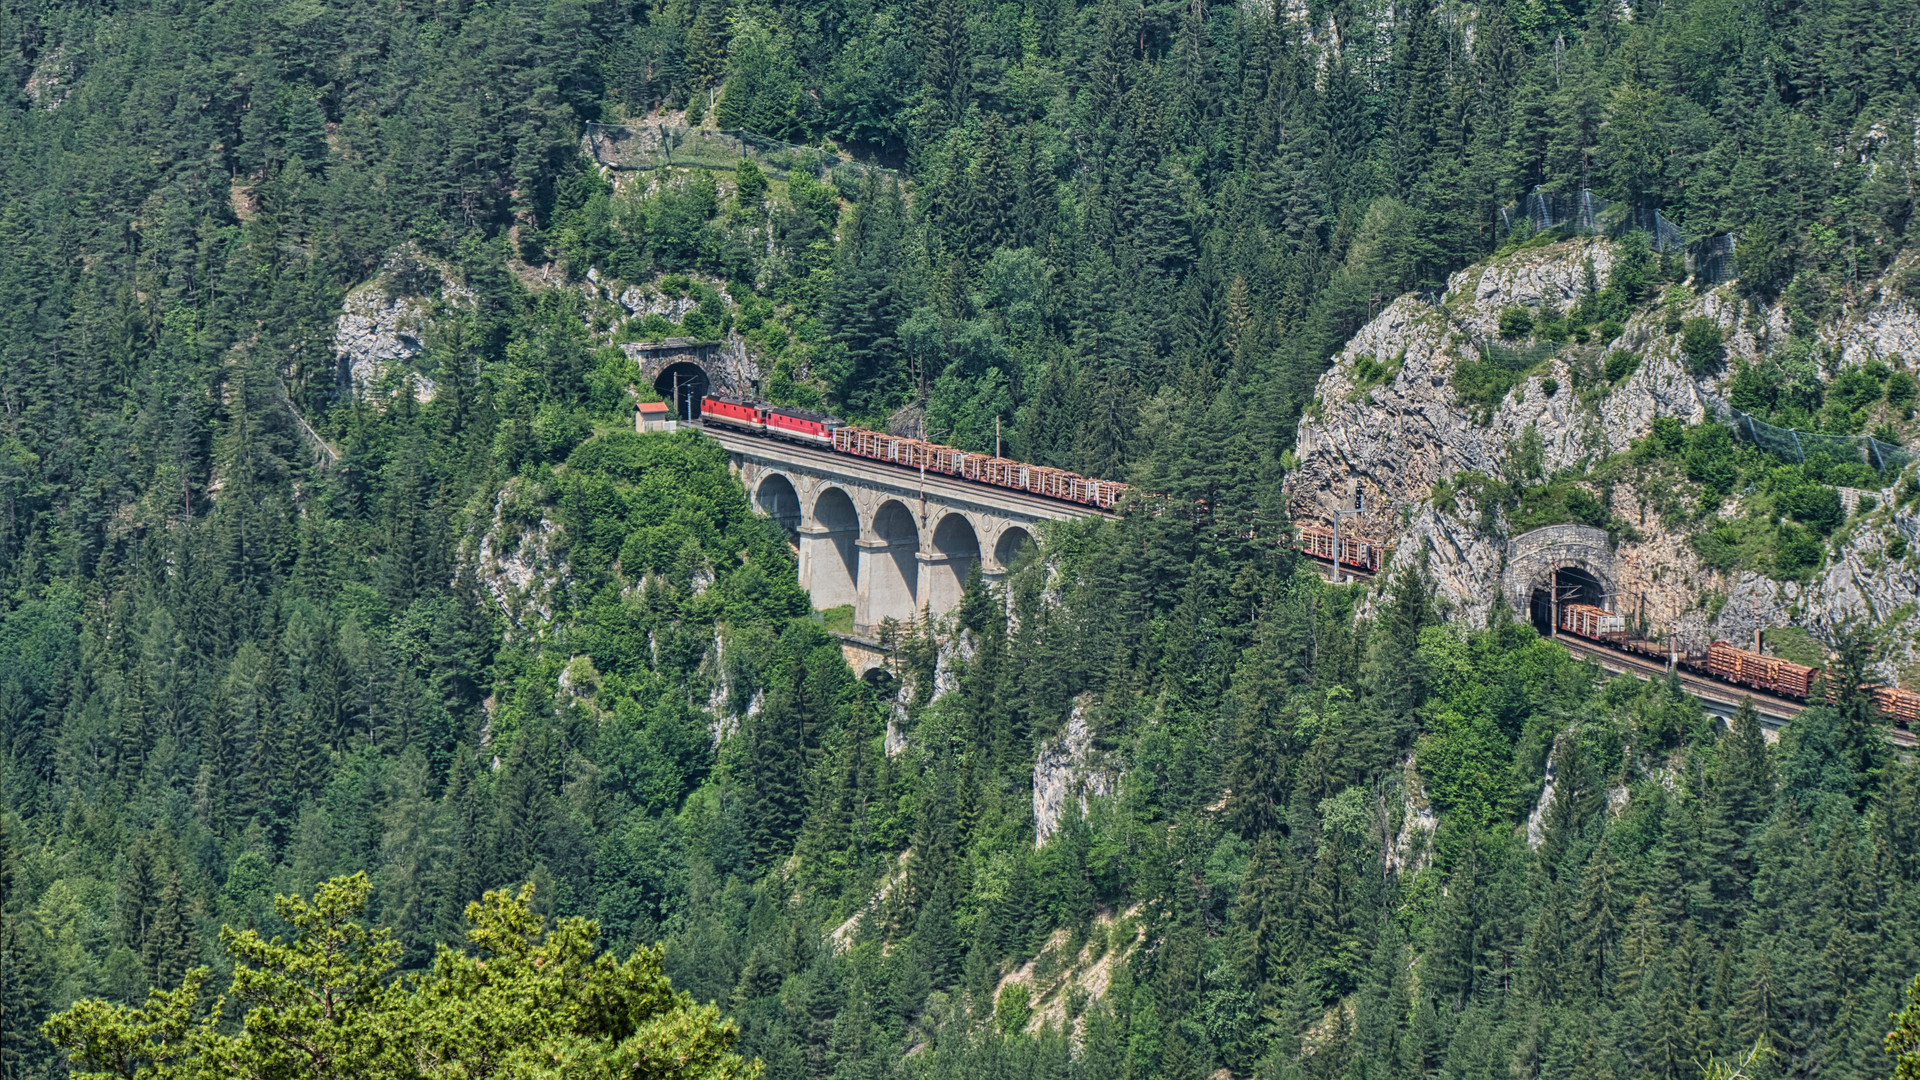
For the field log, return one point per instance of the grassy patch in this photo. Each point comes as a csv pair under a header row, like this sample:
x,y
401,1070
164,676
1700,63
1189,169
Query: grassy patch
x,y
1562,502
1369,373
838,619
1485,382
1796,645
1568,499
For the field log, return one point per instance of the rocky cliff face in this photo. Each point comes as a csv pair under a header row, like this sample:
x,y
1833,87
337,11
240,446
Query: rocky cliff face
x,y
381,336
1388,424
518,560
1067,772
1392,442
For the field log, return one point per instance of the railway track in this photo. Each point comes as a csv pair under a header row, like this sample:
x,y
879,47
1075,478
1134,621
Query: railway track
x,y
1351,573
1719,698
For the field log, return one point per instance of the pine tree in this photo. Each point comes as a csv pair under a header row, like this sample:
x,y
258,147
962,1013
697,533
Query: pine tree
x,y
22,974
1597,921
168,950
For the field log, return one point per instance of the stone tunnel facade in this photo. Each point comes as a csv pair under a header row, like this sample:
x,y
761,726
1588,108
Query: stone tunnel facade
x,y
1534,557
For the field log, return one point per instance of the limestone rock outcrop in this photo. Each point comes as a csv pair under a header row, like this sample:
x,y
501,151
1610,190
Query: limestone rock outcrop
x,y
1388,425
380,338
1067,773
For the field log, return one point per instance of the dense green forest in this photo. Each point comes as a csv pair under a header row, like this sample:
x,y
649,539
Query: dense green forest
x,y
244,648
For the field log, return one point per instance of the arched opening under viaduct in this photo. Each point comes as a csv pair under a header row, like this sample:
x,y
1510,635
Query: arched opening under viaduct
x,y
882,681
892,569
830,559
778,500
956,548
1564,585
684,384
1013,543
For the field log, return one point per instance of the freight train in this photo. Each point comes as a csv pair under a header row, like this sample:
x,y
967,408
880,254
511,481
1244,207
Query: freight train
x,y
827,433
1726,663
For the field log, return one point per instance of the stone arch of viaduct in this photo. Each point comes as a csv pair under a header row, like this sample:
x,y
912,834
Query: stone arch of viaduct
x,y
880,538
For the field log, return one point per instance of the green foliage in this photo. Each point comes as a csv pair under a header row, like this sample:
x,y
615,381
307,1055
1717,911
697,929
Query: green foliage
x,y
1516,323
325,1003
1369,373
750,183
1701,342
1904,1040
1485,382
258,630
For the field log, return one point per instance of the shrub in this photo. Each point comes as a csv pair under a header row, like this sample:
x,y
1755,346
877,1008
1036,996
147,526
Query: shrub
x,y
1550,387
1516,323
1795,551
1667,437
1901,389
1712,459
1485,382
751,183
1857,388
1369,373
1620,364
1721,547
1815,505
1751,391
1703,344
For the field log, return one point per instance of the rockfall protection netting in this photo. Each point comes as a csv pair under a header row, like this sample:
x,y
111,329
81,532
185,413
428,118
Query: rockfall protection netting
x,y
1708,258
658,146
1795,445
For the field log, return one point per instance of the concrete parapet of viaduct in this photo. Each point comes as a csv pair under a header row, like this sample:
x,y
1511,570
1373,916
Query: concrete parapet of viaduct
x,y
885,539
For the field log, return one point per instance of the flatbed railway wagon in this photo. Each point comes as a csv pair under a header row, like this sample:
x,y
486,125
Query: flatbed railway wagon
x,y
1744,667
1665,652
1357,552
1760,671
984,468
1901,706
1598,623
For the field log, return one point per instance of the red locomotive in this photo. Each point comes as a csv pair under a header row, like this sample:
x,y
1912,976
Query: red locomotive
x,y
1722,661
744,415
827,433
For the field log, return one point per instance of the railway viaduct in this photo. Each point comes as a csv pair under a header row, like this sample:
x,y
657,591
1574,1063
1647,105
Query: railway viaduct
x,y
890,541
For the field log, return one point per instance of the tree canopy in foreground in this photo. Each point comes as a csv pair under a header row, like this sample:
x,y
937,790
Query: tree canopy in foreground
x,y
528,1001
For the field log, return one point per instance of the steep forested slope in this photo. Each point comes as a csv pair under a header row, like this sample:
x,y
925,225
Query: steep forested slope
x,y
248,640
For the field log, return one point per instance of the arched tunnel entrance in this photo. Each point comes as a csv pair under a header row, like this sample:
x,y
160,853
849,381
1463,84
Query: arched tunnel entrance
x,y
684,384
1565,585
